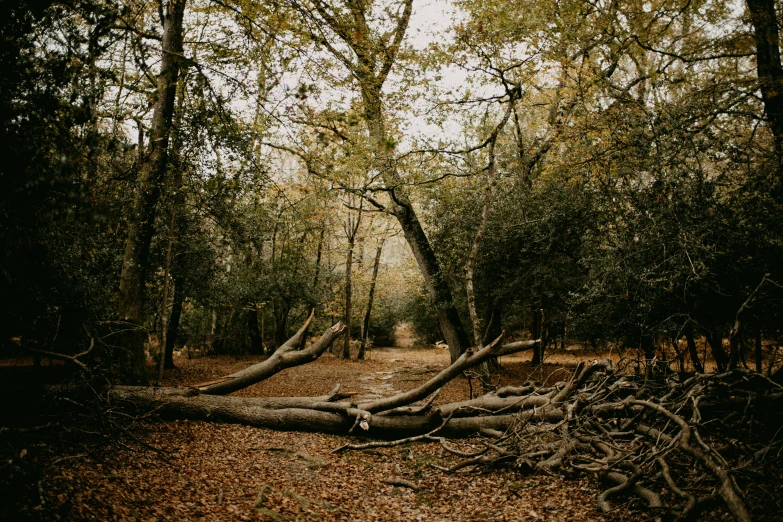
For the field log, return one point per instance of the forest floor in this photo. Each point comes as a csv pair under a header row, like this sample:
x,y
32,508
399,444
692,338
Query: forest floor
x,y
213,472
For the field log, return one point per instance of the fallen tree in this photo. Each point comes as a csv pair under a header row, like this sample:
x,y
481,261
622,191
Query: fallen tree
x,y
680,445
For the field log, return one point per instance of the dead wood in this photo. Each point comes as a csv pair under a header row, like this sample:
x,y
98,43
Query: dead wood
x,y
612,426
386,418
401,483
695,438
284,357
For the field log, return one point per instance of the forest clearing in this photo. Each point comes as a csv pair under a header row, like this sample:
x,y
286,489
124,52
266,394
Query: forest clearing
x,y
218,216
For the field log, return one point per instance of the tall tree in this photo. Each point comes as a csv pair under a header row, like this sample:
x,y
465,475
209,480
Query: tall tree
x,y
351,228
770,71
137,244
374,54
370,298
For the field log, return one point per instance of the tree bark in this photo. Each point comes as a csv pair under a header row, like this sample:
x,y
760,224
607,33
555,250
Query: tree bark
x,y
387,417
768,66
437,286
284,357
164,305
370,298
536,331
348,291
137,244
692,351
176,315
494,321
715,340
256,343
351,228
280,309
375,57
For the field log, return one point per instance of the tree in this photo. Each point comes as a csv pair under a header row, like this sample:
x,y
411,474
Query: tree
x,y
370,297
373,56
151,173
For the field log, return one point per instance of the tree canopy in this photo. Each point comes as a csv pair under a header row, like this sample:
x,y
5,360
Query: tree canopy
x,y
597,171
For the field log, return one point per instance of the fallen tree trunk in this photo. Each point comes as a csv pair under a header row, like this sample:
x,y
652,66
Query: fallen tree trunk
x,y
284,357
325,413
635,433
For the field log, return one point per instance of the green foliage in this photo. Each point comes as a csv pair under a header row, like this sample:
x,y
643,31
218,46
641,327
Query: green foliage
x,y
58,252
634,178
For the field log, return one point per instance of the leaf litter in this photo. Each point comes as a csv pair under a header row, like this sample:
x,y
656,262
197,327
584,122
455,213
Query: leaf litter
x,y
229,472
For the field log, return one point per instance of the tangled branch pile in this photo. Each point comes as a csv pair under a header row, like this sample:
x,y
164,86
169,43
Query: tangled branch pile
x,y
679,445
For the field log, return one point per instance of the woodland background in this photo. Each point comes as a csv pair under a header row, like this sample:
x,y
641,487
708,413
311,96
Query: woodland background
x,y
200,175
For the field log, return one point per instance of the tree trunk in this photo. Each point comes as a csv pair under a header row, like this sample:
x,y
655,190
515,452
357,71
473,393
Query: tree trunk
x,y
536,329
176,231
759,352
437,286
256,343
375,57
692,352
386,417
280,311
176,315
348,291
494,328
768,66
494,321
164,305
284,357
133,278
715,340
370,297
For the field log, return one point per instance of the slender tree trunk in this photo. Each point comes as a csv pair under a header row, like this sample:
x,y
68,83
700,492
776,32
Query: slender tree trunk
x,y
212,331
217,337
164,305
692,351
470,266
256,344
494,328
494,322
318,254
281,312
348,292
715,340
536,330
176,315
135,260
679,354
177,205
314,299
759,352
370,297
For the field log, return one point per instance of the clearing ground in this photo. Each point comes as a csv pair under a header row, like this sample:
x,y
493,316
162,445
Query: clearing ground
x,y
217,472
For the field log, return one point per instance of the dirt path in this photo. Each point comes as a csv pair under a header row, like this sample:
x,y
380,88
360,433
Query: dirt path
x,y
219,472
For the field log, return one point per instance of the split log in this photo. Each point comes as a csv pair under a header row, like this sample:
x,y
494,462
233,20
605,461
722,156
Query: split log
x,y
284,357
326,414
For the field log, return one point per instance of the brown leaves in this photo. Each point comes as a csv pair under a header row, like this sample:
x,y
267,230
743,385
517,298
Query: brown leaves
x,y
229,472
